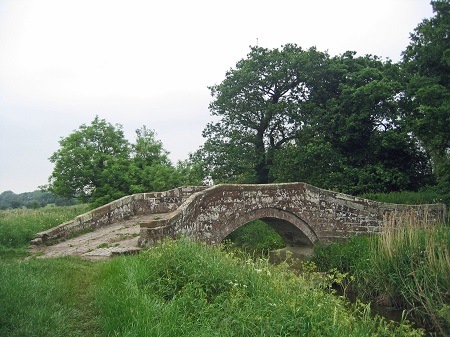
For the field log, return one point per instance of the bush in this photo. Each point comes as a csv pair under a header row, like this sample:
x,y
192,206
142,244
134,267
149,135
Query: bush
x,y
255,237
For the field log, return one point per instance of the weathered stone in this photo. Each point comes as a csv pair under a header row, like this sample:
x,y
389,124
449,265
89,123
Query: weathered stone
x,y
124,208
302,214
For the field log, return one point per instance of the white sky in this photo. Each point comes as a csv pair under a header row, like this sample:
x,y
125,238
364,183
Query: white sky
x,y
149,63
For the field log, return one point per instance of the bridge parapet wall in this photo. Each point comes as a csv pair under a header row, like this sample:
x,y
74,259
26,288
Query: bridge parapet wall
x,y
210,215
121,209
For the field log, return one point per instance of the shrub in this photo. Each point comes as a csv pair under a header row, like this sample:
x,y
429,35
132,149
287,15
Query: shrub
x,y
255,237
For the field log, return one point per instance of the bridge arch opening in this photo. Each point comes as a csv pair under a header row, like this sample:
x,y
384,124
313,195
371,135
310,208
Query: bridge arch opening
x,y
294,231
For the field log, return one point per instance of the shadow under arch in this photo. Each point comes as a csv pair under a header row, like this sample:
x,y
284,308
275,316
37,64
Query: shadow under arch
x,y
293,230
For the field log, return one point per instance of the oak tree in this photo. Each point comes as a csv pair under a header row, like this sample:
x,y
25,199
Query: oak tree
x,y
259,105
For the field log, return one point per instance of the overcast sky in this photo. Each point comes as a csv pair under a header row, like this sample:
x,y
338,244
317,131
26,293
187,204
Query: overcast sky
x,y
135,63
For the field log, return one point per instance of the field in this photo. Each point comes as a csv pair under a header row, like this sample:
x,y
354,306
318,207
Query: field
x,y
176,289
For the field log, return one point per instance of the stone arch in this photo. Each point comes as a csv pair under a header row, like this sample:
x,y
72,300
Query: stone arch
x,y
293,230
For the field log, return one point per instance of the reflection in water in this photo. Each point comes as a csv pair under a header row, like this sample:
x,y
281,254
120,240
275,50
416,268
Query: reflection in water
x,y
293,256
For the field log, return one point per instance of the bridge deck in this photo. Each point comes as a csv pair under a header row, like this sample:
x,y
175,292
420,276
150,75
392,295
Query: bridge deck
x,y
105,242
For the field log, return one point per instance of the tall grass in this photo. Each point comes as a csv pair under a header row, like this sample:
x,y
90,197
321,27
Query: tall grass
x,y
187,289
19,226
407,266
47,297
413,260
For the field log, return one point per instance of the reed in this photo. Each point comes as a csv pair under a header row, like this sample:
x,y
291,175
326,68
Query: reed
x,y
406,266
411,262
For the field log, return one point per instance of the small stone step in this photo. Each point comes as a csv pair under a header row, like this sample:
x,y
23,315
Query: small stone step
x,y
105,253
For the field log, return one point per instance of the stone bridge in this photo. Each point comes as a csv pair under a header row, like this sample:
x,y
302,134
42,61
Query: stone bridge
x,y
302,214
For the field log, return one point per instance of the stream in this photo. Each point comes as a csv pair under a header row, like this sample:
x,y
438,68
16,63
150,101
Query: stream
x,y
294,256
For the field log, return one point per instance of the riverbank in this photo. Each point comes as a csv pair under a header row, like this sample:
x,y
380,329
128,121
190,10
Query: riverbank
x,y
406,267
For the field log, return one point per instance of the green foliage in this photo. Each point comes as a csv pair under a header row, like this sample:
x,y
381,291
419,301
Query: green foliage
x,y
96,164
300,115
407,266
255,237
18,227
182,288
352,140
427,101
347,123
90,162
258,103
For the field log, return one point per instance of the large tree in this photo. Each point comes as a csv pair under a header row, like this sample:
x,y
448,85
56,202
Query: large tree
x,y
426,61
260,106
295,114
355,141
90,162
96,164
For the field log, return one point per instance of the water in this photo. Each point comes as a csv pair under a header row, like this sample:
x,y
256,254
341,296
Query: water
x,y
294,256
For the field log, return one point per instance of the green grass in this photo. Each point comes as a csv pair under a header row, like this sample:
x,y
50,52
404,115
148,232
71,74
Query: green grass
x,y
255,237
407,266
47,298
175,289
19,226
410,198
187,289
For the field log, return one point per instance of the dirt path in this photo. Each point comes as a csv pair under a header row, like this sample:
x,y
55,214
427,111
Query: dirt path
x,y
116,239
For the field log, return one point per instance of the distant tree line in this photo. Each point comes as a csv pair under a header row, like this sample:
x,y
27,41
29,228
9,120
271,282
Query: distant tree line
x,y
36,199
355,124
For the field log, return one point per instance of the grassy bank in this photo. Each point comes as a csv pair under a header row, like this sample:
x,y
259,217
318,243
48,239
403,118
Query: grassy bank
x,y
183,289
407,266
176,289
